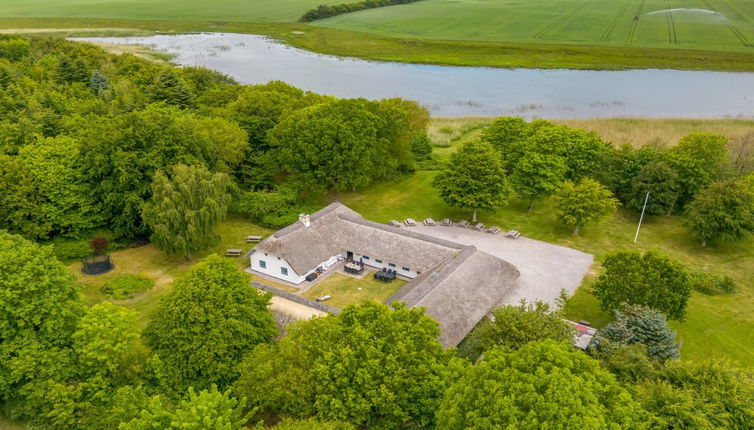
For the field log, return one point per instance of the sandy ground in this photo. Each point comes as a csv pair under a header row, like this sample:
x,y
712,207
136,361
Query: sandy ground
x,y
294,310
546,269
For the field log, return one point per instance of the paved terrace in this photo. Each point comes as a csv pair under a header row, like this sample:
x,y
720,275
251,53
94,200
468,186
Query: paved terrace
x,y
546,269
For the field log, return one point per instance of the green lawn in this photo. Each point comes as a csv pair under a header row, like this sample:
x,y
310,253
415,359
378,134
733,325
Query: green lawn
x,y
716,326
346,290
163,269
692,24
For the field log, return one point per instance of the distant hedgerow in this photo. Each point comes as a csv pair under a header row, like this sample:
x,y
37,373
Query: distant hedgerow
x,y
325,11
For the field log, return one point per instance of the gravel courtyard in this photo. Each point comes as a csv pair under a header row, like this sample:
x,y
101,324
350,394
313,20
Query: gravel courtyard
x,y
546,269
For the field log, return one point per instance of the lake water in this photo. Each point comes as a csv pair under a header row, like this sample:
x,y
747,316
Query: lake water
x,y
458,91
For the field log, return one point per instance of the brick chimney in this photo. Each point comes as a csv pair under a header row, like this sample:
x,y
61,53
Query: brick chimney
x,y
304,219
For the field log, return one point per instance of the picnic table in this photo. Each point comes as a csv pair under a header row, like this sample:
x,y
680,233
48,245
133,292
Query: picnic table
x,y
447,222
394,223
429,221
410,222
233,252
250,239
513,234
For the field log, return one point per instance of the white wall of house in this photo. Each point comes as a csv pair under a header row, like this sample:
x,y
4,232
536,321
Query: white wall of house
x,y
371,261
275,266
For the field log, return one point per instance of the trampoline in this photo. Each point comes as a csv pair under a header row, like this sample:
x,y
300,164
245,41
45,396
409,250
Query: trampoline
x,y
97,265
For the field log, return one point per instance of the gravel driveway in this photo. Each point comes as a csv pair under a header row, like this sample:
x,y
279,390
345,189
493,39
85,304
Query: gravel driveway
x,y
546,269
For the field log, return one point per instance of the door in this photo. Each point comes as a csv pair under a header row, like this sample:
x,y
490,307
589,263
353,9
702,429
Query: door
x,y
349,255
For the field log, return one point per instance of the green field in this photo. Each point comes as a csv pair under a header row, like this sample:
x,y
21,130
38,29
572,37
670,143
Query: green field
x,y
691,24
178,10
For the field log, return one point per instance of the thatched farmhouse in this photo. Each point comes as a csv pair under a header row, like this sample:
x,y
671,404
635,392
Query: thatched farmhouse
x,y
456,284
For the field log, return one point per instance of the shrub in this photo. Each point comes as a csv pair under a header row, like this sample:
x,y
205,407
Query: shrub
x,y
99,245
71,249
125,286
708,283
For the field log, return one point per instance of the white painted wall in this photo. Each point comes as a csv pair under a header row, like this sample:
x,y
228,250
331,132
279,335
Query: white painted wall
x,y
372,262
274,264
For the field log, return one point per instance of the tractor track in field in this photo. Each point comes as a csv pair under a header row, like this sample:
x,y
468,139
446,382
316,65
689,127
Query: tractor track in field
x,y
733,29
613,22
635,23
560,19
672,37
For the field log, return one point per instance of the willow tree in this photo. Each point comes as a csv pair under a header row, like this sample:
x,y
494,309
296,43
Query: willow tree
x,y
184,210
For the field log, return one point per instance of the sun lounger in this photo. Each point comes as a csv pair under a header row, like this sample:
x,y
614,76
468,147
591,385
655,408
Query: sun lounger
x,y
429,221
410,222
447,222
394,223
463,223
479,227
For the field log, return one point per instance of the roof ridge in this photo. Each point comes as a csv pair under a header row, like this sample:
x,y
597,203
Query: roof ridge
x,y
402,232
313,217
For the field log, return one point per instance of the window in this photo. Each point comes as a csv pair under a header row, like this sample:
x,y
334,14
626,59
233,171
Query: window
x,y
284,271
391,264
262,264
406,269
365,257
378,261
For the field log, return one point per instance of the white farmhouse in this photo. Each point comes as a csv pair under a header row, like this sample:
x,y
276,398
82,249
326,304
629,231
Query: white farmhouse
x,y
456,284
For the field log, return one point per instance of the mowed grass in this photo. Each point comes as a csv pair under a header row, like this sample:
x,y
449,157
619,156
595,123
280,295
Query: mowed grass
x,y
164,269
178,10
690,24
346,290
716,326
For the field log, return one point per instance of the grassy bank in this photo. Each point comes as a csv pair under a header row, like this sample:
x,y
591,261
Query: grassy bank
x,y
447,133
717,326
412,50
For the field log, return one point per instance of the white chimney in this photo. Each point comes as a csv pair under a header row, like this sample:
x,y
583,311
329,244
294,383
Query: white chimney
x,y
304,219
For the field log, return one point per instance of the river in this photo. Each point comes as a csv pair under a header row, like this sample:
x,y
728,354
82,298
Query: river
x,y
465,91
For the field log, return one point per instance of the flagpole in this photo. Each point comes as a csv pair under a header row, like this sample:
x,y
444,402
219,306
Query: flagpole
x,y
641,218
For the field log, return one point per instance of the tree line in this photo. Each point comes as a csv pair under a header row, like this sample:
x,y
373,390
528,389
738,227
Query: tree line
x,y
588,178
326,11
93,142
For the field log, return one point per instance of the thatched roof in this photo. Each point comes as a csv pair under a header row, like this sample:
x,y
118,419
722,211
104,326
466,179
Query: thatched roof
x,y
460,291
458,285
336,229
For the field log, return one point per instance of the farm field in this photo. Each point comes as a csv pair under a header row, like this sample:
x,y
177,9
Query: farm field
x,y
695,24
175,10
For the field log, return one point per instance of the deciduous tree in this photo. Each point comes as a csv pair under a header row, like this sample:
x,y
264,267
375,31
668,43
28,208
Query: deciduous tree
x,y
542,385
661,182
586,202
699,159
515,326
723,212
184,209
208,323
537,175
474,179
650,279
370,365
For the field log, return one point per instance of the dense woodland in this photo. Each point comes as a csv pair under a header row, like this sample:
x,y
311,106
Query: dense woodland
x,y
93,144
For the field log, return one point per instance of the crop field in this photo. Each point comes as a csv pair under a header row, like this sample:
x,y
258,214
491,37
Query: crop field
x,y
690,24
261,11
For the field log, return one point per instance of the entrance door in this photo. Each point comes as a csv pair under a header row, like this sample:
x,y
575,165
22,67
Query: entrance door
x,y
349,255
